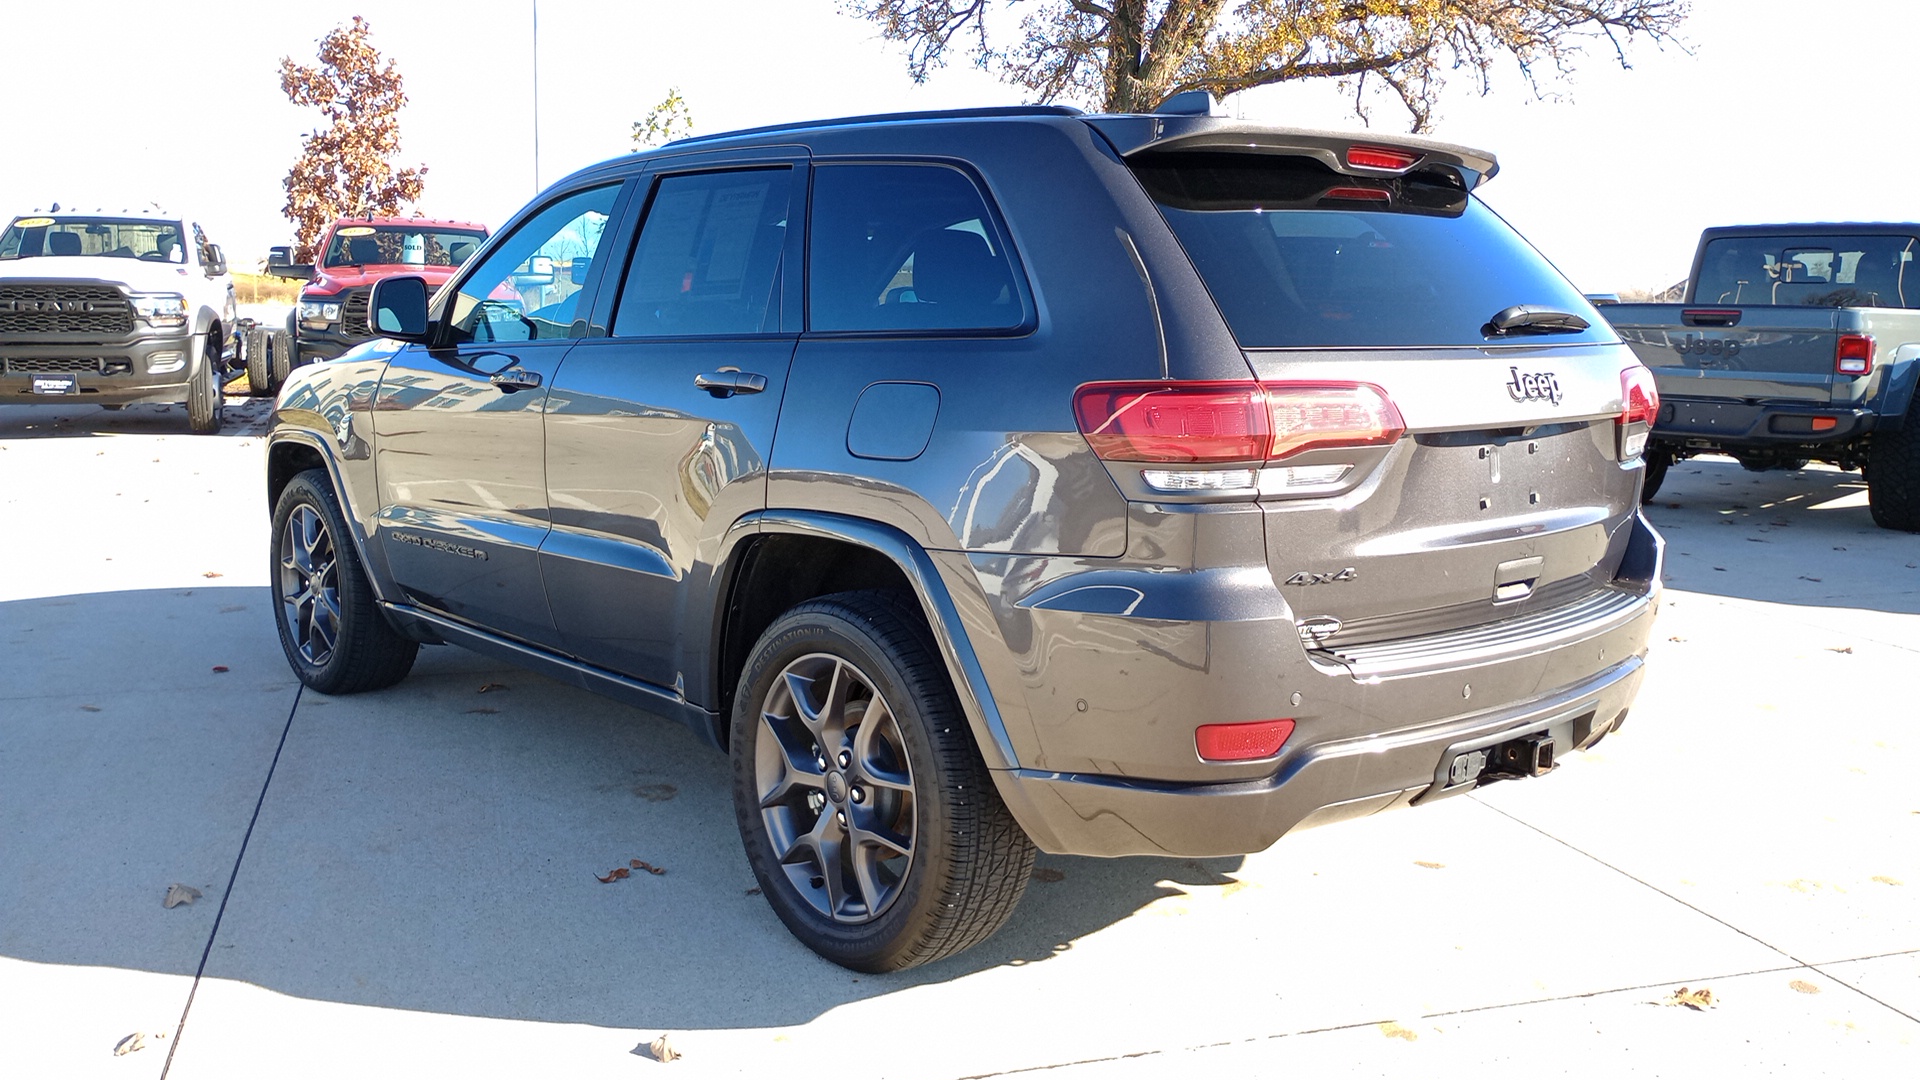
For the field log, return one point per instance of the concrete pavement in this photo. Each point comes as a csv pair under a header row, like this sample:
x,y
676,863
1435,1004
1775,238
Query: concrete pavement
x,y
404,882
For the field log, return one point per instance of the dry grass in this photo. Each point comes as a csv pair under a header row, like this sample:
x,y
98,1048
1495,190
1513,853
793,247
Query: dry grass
x,y
261,289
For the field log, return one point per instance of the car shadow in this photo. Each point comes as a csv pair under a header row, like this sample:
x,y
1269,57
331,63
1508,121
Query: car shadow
x,y
1727,531
244,416
442,846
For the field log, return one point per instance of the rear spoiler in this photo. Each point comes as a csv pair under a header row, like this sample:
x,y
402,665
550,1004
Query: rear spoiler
x,y
1134,134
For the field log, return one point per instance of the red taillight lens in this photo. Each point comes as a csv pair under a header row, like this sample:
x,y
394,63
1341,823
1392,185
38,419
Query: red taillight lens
x,y
1216,422
1359,194
1242,742
1305,417
1379,157
1639,407
1186,422
1853,355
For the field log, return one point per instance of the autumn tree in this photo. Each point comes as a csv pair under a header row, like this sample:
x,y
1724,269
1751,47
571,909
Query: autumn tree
x,y
1130,55
665,122
346,167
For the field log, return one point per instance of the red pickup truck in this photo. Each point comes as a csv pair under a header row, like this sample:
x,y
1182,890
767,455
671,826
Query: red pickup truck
x,y
331,316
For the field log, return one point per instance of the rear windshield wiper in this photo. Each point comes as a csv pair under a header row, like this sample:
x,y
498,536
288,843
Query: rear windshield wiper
x,y
1527,319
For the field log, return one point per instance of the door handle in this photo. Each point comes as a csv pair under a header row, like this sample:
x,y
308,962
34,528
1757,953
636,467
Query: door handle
x,y
514,379
730,381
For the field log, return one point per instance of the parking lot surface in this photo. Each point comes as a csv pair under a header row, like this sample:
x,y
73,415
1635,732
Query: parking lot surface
x,y
407,882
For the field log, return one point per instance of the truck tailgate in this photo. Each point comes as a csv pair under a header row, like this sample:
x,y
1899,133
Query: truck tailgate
x,y
1753,353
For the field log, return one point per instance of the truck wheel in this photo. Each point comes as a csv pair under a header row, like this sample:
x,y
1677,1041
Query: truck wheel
x,y
1893,474
282,349
205,403
260,378
867,814
331,629
1658,462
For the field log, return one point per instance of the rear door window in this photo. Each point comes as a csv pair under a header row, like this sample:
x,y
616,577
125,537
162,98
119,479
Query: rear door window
x,y
708,259
1300,256
896,247
1805,271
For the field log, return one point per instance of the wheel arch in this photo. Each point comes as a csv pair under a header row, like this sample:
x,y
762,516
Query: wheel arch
x,y
776,559
292,451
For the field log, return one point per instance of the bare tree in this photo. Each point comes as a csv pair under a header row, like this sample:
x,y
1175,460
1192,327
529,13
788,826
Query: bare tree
x,y
1129,55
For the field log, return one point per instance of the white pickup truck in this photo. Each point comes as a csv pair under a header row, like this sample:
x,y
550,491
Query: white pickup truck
x,y
114,308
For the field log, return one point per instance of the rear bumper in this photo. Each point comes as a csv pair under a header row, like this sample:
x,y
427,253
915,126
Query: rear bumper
x,y
1102,723
1710,424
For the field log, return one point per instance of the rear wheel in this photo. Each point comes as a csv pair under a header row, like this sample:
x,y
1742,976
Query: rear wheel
x,y
1657,462
866,812
1893,474
261,381
282,349
331,627
204,401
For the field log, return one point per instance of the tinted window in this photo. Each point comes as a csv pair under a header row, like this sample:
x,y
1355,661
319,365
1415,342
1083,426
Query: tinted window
x,y
154,241
708,258
401,245
1299,256
905,247
1809,271
526,288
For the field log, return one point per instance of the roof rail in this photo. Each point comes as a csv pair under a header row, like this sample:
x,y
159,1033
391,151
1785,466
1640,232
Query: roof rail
x,y
874,118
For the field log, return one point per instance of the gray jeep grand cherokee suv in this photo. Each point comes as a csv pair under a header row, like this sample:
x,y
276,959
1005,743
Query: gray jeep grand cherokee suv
x,y
996,480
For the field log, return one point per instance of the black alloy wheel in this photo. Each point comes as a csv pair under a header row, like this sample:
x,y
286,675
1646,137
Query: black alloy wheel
x,y
867,814
331,628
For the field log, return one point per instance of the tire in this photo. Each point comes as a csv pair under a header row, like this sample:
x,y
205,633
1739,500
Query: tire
x,y
1658,462
281,348
1893,474
877,837
331,629
260,378
205,402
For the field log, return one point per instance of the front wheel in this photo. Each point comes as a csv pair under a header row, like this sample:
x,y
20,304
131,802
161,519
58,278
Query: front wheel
x,y
866,812
261,380
205,401
1893,474
331,628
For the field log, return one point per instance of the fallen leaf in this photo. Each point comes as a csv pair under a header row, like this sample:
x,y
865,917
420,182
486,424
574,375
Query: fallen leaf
x,y
212,574
178,894
89,708
1848,649
662,1050
488,688
482,712
1839,549
1804,577
1676,638
656,792
1696,1000
1804,986
1722,569
642,864
1430,865
135,1041
219,669
1885,880
1048,874
1396,1031
1757,540
755,891
614,875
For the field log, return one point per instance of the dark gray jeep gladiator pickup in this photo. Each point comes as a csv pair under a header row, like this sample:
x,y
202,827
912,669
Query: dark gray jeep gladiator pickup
x,y
1794,343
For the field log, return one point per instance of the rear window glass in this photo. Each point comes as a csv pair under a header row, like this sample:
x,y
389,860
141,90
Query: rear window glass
x,y
906,248
1810,271
1300,256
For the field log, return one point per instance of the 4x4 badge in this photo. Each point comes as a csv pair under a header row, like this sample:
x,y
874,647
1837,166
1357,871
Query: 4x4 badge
x,y
1534,387
1308,577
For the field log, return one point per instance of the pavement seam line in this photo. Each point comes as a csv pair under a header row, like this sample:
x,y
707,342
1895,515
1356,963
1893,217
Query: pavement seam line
x,y
1894,1008
1642,881
227,894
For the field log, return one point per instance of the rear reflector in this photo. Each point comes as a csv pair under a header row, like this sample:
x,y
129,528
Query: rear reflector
x,y
1242,742
1853,355
1379,157
1202,423
1825,423
1358,194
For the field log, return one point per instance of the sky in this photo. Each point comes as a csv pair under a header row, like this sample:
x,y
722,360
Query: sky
x,y
1776,110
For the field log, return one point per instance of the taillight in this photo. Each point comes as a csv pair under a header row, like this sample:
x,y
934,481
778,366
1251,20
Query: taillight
x,y
1379,157
1853,355
1218,422
1242,742
1358,194
1639,406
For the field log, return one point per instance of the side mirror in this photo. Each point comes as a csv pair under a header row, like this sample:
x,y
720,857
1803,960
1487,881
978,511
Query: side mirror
x,y
397,308
216,261
1601,299
280,263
